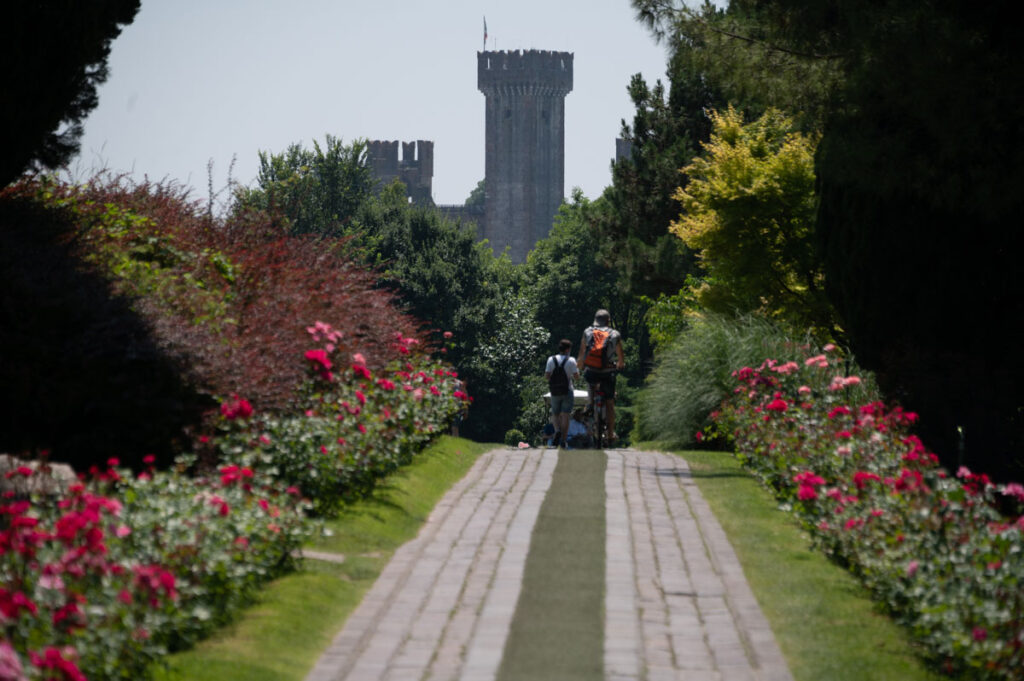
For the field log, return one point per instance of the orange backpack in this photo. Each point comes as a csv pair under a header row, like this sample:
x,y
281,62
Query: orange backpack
x,y
599,348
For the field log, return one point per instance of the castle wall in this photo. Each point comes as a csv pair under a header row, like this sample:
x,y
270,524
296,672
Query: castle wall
x,y
467,215
525,144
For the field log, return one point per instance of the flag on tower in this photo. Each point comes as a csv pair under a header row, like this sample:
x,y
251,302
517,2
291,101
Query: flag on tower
x,y
485,34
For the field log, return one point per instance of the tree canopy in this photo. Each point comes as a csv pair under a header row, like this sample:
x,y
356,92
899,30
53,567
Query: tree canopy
x,y
54,56
748,211
317,190
632,223
918,170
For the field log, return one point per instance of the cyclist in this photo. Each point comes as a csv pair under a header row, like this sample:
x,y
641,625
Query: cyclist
x,y
601,357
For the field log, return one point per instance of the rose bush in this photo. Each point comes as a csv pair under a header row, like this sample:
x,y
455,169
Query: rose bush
x,y
944,553
354,425
101,582
119,570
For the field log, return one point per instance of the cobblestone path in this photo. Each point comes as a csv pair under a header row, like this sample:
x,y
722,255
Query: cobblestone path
x,y
677,605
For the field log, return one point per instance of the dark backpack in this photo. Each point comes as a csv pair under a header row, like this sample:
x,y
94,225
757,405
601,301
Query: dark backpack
x,y
559,381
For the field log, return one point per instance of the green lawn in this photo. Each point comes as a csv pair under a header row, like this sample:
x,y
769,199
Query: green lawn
x,y
557,633
825,623
281,637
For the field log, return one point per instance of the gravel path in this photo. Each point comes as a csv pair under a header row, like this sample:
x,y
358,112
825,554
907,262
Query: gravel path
x,y
677,604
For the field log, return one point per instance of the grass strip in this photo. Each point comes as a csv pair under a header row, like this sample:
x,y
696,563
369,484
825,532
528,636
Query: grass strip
x,y
824,621
557,631
281,637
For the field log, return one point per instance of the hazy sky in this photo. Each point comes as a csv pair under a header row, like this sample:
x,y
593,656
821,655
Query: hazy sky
x,y
193,81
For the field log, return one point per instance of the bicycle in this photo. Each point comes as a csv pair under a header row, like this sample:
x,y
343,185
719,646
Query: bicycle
x,y
596,411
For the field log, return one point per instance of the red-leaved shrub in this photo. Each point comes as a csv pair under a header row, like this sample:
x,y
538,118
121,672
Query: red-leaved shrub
x,y
216,307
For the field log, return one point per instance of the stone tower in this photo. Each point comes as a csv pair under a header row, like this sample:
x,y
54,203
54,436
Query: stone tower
x,y
415,169
525,144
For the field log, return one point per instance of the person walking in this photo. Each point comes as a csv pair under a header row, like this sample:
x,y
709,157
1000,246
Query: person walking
x,y
601,357
560,371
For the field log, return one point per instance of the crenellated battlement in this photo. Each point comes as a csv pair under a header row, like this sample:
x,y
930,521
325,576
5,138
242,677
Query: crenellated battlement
x,y
415,168
524,72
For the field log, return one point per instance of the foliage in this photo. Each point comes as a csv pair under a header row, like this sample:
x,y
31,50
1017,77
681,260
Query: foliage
x,y
693,374
452,282
54,56
748,211
564,278
317,191
200,298
502,366
513,437
352,427
438,269
936,550
746,51
82,374
112,577
904,204
299,614
826,626
101,582
666,316
908,207
478,197
632,222
534,412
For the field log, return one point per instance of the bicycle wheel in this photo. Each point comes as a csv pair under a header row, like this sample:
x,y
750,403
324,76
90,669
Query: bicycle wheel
x,y
599,422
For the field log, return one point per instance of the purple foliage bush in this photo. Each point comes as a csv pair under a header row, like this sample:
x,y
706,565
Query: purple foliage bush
x,y
154,311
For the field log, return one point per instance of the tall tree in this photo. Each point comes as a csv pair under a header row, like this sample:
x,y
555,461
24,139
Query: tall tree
x,y
920,173
440,270
632,224
748,211
565,280
746,52
317,190
54,56
919,169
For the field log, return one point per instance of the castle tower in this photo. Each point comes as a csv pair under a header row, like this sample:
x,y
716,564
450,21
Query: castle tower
x,y
415,169
525,144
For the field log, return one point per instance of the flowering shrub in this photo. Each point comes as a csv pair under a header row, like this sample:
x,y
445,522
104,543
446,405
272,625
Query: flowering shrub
x,y
100,582
944,553
354,426
182,307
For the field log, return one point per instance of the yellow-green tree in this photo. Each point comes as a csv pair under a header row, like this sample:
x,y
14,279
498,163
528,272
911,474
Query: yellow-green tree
x,y
748,211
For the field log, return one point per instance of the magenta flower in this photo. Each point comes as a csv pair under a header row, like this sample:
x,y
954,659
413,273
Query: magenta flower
x,y
806,493
59,661
238,407
861,478
321,362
